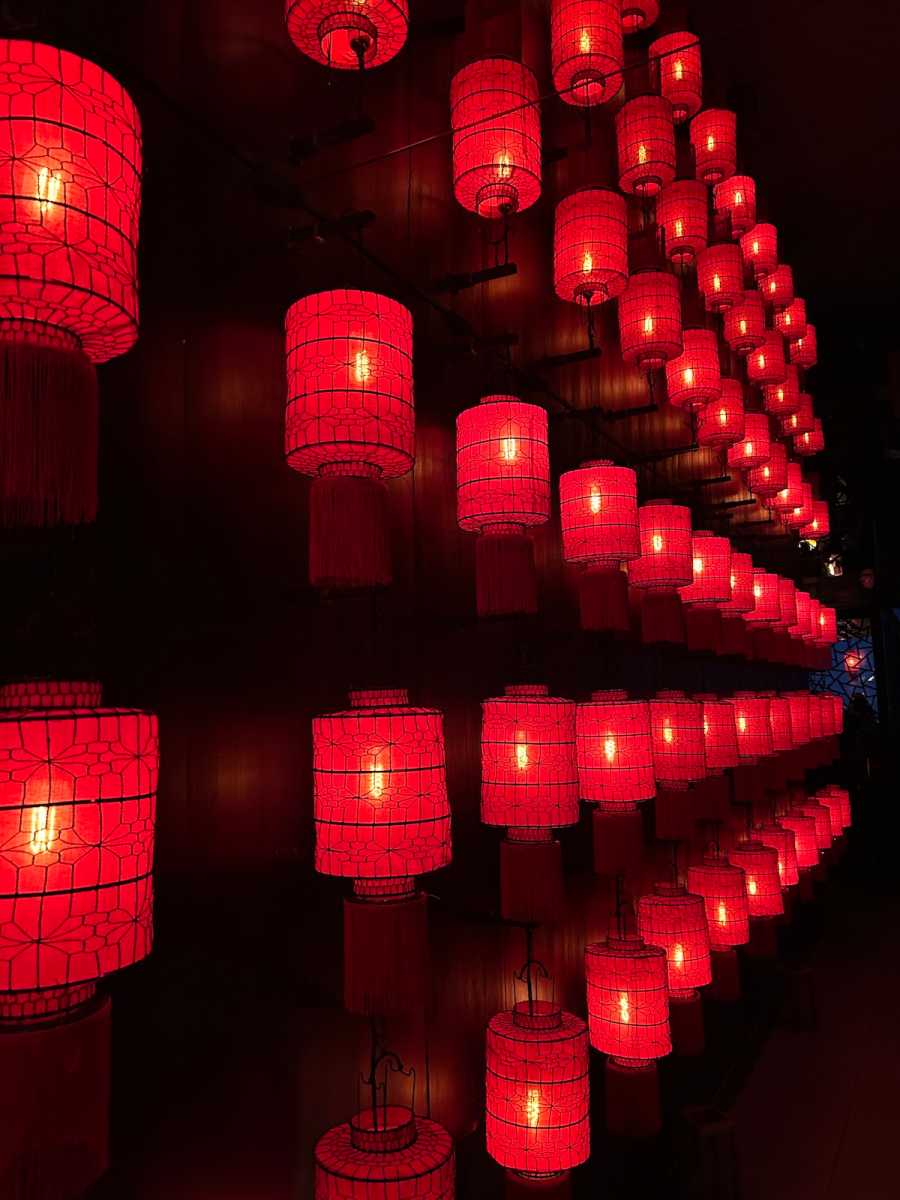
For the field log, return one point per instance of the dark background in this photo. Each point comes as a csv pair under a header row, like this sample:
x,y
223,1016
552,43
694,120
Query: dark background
x,y
190,594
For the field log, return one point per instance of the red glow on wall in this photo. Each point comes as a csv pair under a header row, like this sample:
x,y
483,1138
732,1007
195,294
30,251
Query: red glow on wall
x,y
725,897
645,137
791,320
665,560
693,379
759,247
682,216
719,733
590,246
766,364
650,319
720,276
754,730
348,36
390,1153
778,287
599,514
615,752
677,69
714,139
761,877
744,324
783,399
736,198
771,477
679,743
586,50
722,421
804,350
671,918
811,442
628,1000
495,118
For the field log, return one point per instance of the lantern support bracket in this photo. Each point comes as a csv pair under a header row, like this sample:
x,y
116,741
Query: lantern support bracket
x,y
454,284
622,414
732,503
321,231
564,360
307,146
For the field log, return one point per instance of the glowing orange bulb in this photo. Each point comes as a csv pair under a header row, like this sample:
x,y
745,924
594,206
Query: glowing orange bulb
x,y
773,287
748,449
49,185
609,748
688,376
376,778
668,733
678,69
679,227
587,263
743,325
595,500
723,416
648,324
657,542
642,153
722,915
755,248
624,1009
698,566
678,955
43,828
509,449
761,361
733,579
766,473
362,366
533,1107
710,142
717,283
757,591
751,887
742,724
522,760
584,42
503,163
738,197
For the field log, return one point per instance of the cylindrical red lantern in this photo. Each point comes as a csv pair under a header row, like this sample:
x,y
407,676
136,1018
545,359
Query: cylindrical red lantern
x,y
801,512
675,920
666,560
720,276
650,319
348,35
725,896
736,198
627,998
816,713
802,419
590,246
777,287
771,476
811,635
615,751
719,734
759,863
693,379
765,364
783,842
837,801
791,320
385,1152
742,599
682,216
678,72
495,118
70,198
679,743
755,448
783,399
780,723
751,721
586,50
804,830
800,629
821,819
722,421
787,604
349,423
766,604
714,139
645,137
744,324
711,560
639,14
804,350
503,487
799,702
820,524
812,441
826,633
759,247
791,494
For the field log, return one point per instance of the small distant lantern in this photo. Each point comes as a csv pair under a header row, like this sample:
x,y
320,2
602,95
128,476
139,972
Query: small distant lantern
x,y
586,50
819,525
350,36
827,626
801,512
783,842
791,321
759,247
682,216
811,442
645,136
503,488
754,730
766,604
714,139
837,801
736,198
650,319
679,744
693,379
722,421
720,276
804,350
711,583
791,495
590,246
798,631
770,477
719,733
804,830
671,918
677,69
735,633
495,118
777,287
761,877
780,723
725,895
787,604
821,818
744,324
755,448
782,400
664,565
802,419
639,14
765,364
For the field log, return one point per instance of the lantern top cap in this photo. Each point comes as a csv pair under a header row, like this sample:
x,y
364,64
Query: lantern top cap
x,y
537,1014
379,697
597,462
395,1129
610,696
671,694
526,689
669,891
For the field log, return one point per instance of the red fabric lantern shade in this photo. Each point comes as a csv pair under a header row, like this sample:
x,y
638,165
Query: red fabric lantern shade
x,y
761,877
742,599
791,495
820,524
811,442
736,198
755,448
766,602
682,217
821,818
388,1153
837,801
722,421
799,703
778,287
804,350
780,723
759,247
678,72
70,198
495,118
787,604
348,36
725,897
754,730
586,50
714,139
744,324
783,399
711,583
802,511
645,137
665,564
349,423
827,626
627,997
783,842
615,751
791,321
765,364
537,1090
720,276
799,630
650,319
719,734
590,246
674,920
804,831
679,743
503,486
693,379
639,14
770,477
802,419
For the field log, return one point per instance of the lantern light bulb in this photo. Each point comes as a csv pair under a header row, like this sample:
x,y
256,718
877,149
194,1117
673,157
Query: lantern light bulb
x,y
509,449
595,500
642,153
522,760
362,366
657,542
609,748
624,1009
722,915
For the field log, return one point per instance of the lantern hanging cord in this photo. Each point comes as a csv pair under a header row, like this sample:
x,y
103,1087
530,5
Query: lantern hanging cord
x,y
391,1063
531,966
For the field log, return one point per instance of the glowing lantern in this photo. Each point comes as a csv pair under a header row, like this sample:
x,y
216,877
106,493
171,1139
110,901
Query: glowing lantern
x,y
803,828
599,518
800,628
683,219
780,723
783,842
837,801
736,198
693,379
70,145
755,448
678,70
765,364
826,633
720,276
744,324
719,734
725,896
350,35
778,287
586,50
679,743
802,419
804,350
650,319
495,118
639,14
766,604
802,511
783,399
787,604
675,921
503,487
799,703
821,818
711,583
812,441
759,247
385,1151
754,730
816,712
664,565
811,635
349,423
722,421
761,877
791,321
381,817
819,525
645,137
714,139
735,636
771,477
791,495
77,816
590,246
627,999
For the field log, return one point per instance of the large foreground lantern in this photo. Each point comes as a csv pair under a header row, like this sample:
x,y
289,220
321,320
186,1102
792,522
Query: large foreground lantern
x,y
714,139
671,918
678,70
665,564
645,137
682,217
349,35
350,424
502,489
586,50
590,246
70,197
650,319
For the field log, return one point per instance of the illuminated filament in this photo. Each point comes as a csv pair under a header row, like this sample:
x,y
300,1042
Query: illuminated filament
x,y
733,581
648,323
766,475
706,727
509,449
815,524
738,197
688,376
723,418
43,829
722,915
595,500
698,566
781,870
678,955
587,263
678,69
752,888
748,449
503,163
642,153
624,1009
761,361
755,247
48,189
717,283
780,395
743,325
522,760
773,287
609,748
668,733
657,542
787,318
376,778
742,724
679,227
757,592
584,42
362,366
533,1107
710,142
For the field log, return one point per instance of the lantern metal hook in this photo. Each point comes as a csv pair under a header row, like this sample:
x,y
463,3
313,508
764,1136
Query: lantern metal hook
x,y
392,1064
531,966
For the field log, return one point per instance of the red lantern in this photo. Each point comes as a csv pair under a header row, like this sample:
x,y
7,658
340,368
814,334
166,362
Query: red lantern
x,y
778,287
802,511
385,1152
811,442
766,604
650,319
720,276
725,897
722,421
682,216
766,365
495,118
791,321
586,50
771,477
791,495
837,801
51,693
800,628
759,247
678,72
615,751
761,878
639,14
70,144
665,561
780,723
783,399
811,635
826,634
679,743
627,997
714,139
799,702
755,447
787,604
783,842
744,324
804,831
804,350
711,583
590,246
802,419
754,730
348,36
719,733
503,487
816,713
645,136
821,818
349,423
736,198
742,599
77,814
820,524
674,920
599,518
693,379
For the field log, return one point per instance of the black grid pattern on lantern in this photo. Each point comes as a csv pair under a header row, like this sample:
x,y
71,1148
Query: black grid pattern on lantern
x,y
677,70
590,246
628,999
676,921
682,217
502,464
645,137
679,743
759,247
340,34
744,324
615,753
666,560
421,1169
586,50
